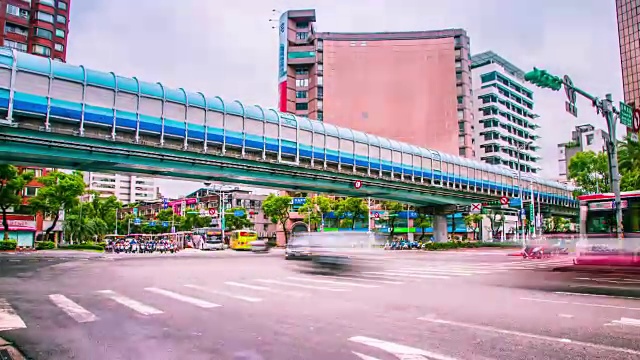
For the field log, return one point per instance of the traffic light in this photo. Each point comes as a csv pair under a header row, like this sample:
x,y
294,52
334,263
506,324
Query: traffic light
x,y
543,79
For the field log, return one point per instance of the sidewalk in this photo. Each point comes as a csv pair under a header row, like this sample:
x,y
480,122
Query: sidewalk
x,y
603,269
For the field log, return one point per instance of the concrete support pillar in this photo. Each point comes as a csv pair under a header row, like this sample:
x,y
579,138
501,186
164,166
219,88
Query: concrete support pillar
x,y
440,231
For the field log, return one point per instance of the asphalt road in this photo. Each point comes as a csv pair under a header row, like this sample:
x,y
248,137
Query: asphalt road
x,y
227,305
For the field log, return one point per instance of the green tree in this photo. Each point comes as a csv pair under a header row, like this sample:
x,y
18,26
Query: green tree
x,y
496,221
590,171
315,208
352,208
628,156
12,182
277,209
392,208
233,222
473,221
60,191
423,221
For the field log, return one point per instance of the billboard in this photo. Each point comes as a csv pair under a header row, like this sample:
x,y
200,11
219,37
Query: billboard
x,y
282,62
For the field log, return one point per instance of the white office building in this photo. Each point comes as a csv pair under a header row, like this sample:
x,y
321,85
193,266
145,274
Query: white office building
x,y
127,188
505,126
583,138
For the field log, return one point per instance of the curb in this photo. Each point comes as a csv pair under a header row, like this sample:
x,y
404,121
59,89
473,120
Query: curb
x,y
9,352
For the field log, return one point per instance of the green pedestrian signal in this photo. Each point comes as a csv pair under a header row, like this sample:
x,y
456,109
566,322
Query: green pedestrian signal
x,y
543,79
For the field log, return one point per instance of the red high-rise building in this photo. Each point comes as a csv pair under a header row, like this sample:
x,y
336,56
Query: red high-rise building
x,y
38,27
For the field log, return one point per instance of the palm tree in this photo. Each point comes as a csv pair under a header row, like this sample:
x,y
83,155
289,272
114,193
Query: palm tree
x,y
628,155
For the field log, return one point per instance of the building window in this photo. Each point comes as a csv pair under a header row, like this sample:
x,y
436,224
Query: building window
x,y
43,33
62,5
302,71
458,65
41,50
320,115
51,3
320,67
58,47
302,82
320,92
589,139
459,100
319,104
463,152
10,28
15,45
16,11
43,16
460,114
302,106
301,94
30,191
35,172
61,19
302,24
320,81
302,35
461,127
320,44
60,33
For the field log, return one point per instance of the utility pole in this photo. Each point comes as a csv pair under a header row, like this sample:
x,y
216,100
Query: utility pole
x,y
605,107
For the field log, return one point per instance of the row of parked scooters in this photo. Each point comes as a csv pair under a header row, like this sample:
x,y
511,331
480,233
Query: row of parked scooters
x,y
405,245
132,247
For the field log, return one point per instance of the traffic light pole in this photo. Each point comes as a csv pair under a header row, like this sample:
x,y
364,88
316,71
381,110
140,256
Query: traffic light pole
x,y
603,106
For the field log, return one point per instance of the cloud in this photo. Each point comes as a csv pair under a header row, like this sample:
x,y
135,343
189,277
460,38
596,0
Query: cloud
x,y
231,50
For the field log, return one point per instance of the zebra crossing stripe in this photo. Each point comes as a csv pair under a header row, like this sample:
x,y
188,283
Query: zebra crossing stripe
x,y
188,299
130,303
77,312
9,319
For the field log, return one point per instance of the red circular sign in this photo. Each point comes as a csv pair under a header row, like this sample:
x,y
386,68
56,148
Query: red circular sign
x,y
357,184
504,200
376,215
212,212
636,120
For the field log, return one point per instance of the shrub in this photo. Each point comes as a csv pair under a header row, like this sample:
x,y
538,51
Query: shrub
x,y
85,246
45,245
8,244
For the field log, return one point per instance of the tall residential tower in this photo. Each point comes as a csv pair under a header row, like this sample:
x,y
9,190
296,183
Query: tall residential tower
x,y
413,87
505,124
629,34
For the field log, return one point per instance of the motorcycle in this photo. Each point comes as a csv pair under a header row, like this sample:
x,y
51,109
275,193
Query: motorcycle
x,y
161,248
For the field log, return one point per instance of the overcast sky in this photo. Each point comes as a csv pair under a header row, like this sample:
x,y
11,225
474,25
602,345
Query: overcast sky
x,y
229,48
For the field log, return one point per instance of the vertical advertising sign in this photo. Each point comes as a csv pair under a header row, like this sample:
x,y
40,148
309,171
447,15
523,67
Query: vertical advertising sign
x,y
282,62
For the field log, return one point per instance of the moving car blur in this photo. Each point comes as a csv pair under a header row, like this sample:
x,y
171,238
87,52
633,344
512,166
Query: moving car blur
x,y
337,252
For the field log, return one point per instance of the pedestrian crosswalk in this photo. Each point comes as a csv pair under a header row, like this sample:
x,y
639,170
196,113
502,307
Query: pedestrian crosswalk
x,y
153,301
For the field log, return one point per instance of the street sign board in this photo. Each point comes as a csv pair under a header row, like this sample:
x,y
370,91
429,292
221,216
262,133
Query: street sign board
x,y
626,115
476,208
299,201
633,137
515,202
636,120
213,212
135,211
165,203
376,215
152,223
165,223
523,214
504,200
238,213
136,221
357,184
570,104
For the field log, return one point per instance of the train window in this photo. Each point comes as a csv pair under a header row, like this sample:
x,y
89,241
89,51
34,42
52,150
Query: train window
x,y
362,149
66,90
346,145
214,119
32,84
253,127
99,96
397,157
126,102
374,152
385,154
271,130
407,159
318,140
233,123
174,111
5,78
426,163
150,107
195,115
288,133
332,143
305,137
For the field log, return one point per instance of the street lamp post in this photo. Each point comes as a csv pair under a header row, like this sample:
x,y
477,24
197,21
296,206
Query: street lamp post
x,y
519,219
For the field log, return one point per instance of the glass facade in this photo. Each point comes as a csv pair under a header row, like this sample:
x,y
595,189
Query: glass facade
x,y
629,34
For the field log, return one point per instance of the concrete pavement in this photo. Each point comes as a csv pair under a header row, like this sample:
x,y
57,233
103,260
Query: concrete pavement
x,y
228,305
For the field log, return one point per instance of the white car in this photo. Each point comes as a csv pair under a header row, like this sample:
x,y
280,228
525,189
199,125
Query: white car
x,y
215,244
259,246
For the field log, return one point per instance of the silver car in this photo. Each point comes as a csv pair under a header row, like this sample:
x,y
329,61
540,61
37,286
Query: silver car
x,y
213,244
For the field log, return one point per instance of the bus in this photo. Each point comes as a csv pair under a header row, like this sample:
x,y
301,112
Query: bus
x,y
599,243
241,239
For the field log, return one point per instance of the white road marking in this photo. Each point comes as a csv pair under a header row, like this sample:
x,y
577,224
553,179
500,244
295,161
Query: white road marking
x,y
579,303
544,300
77,312
568,316
361,279
627,321
382,276
240,297
9,319
409,275
264,288
15,260
299,285
438,272
400,351
130,303
532,336
363,356
332,282
188,299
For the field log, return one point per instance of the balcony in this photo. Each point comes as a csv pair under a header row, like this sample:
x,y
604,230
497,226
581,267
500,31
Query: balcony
x,y
300,57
